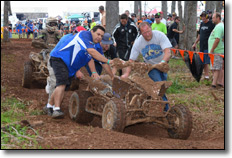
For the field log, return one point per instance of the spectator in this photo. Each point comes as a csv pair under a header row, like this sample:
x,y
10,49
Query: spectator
x,y
124,35
73,27
162,19
40,26
24,30
133,18
159,25
60,27
19,29
204,32
29,29
79,28
209,12
66,27
109,51
171,32
35,31
66,59
216,46
128,15
169,21
155,49
10,29
93,23
103,20
153,18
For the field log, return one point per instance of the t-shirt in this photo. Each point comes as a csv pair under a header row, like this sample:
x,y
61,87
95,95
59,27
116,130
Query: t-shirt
x,y
72,49
163,21
218,32
66,26
160,27
92,25
152,51
204,31
171,33
30,27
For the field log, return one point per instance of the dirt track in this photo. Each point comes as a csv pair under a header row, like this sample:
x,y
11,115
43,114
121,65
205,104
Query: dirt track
x,y
65,134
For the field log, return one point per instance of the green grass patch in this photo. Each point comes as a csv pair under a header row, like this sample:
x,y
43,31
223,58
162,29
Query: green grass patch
x,y
13,135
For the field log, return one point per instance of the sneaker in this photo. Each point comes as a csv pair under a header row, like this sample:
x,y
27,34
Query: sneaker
x,y
57,114
48,111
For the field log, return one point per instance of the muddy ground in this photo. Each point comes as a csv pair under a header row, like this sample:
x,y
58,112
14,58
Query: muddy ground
x,y
66,134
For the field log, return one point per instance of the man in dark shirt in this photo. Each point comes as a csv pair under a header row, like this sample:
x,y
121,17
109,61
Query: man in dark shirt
x,y
205,30
172,30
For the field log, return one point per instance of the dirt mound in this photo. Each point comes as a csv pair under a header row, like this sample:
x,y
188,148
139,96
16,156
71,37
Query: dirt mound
x,y
66,134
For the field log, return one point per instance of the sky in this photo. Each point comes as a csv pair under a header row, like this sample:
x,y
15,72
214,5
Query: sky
x,y
57,7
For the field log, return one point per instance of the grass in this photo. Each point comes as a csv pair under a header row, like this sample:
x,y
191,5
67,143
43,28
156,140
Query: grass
x,y
13,135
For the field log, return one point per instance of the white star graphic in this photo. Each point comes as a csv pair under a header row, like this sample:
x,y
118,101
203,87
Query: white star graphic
x,y
77,46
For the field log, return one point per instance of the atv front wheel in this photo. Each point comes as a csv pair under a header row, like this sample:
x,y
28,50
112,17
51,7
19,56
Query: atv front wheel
x,y
181,119
114,115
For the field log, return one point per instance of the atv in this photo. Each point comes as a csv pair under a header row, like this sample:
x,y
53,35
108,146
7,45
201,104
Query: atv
x,y
124,102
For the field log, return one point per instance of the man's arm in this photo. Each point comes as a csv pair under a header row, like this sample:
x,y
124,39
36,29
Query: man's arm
x,y
215,44
96,55
167,54
197,40
92,68
175,30
108,70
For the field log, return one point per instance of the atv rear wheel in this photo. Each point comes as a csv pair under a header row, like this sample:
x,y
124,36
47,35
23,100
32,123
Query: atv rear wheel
x,y
27,75
181,119
77,104
114,115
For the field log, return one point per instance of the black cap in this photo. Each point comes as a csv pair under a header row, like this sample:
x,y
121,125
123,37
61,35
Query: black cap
x,y
157,15
203,13
209,11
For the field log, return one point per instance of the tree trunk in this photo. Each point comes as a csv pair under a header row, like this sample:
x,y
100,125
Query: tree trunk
x,y
164,8
137,8
219,6
210,5
185,22
191,24
173,7
112,15
181,38
6,19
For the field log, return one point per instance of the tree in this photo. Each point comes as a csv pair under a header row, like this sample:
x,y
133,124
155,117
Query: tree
x,y
112,15
219,6
181,39
210,5
190,19
7,10
164,8
173,6
137,8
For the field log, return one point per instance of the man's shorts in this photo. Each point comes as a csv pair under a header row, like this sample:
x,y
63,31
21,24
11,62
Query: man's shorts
x,y
61,72
217,64
206,57
173,42
30,32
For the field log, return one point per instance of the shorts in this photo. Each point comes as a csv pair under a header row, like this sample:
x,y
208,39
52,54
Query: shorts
x,y
30,32
173,41
217,64
60,71
206,57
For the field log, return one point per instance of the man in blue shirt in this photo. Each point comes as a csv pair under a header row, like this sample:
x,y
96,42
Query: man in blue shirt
x,y
29,29
70,54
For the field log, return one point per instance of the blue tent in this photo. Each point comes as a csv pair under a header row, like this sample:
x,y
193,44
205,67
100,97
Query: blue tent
x,y
74,16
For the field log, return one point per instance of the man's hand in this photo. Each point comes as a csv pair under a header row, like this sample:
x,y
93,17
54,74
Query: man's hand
x,y
79,74
95,76
194,46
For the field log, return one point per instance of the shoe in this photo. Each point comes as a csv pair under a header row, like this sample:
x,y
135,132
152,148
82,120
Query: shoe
x,y
206,77
48,111
57,114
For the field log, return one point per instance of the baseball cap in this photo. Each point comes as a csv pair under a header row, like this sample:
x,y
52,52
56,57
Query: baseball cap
x,y
174,14
149,21
161,12
157,15
203,13
107,39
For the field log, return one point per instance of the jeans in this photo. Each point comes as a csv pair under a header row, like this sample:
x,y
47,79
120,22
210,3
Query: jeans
x,y
156,76
97,66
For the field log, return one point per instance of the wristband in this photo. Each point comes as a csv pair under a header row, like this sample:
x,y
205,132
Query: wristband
x,y
163,61
108,62
94,72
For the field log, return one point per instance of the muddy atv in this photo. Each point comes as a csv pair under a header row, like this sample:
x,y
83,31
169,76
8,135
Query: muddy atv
x,y
124,102
35,68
